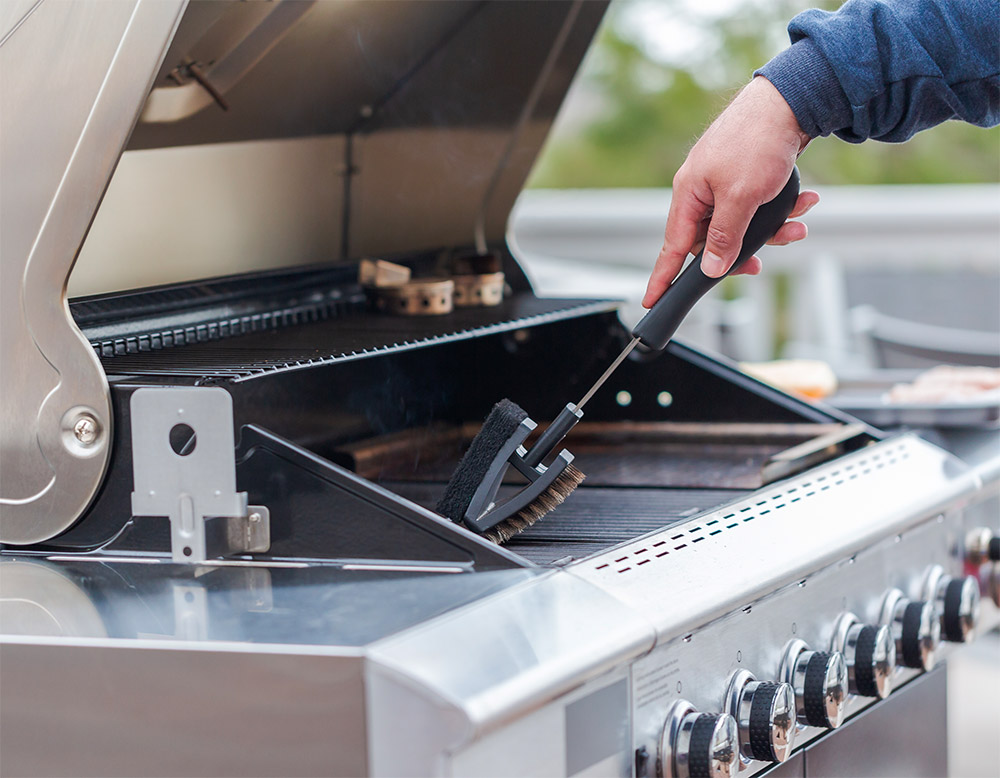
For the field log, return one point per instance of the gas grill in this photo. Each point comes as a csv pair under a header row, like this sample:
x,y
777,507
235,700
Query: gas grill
x,y
221,458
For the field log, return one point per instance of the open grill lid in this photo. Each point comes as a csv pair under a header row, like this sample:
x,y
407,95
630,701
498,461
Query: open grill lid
x,y
349,129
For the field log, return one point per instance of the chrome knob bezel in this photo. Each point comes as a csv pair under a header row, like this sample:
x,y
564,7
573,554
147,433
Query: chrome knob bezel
x,y
665,757
739,702
673,753
959,627
928,631
847,632
977,546
935,590
793,670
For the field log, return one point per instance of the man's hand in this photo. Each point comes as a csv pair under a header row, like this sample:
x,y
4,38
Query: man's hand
x,y
742,161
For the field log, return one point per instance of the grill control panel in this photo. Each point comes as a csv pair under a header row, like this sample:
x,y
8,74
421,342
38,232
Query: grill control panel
x,y
781,670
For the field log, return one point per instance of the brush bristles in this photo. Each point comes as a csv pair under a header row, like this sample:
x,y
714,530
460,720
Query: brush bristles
x,y
551,498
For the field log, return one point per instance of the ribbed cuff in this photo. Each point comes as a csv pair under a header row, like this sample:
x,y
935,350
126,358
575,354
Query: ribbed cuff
x,y
810,87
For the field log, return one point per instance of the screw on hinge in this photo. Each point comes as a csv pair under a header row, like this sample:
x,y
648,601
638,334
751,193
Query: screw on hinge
x,y
86,429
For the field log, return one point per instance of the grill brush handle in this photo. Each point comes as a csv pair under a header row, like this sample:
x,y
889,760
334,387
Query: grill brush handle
x,y
554,433
659,325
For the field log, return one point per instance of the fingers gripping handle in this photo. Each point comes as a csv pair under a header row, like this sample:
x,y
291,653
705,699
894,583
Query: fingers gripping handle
x,y
659,325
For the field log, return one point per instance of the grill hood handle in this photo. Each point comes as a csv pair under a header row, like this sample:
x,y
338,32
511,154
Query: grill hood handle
x,y
659,325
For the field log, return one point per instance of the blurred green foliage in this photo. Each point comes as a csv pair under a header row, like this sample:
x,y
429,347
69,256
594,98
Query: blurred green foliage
x,y
637,108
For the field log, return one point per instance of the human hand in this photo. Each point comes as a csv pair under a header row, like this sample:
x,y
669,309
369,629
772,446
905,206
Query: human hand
x,y
742,161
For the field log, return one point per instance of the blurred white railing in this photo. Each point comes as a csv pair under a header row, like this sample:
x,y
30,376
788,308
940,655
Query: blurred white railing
x,y
603,242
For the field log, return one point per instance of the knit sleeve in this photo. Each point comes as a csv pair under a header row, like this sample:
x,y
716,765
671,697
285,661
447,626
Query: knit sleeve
x,y
886,69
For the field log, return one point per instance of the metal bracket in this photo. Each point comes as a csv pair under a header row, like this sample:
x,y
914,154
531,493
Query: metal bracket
x,y
184,467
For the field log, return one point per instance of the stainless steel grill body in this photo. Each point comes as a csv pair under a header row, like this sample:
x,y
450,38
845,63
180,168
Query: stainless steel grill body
x,y
326,621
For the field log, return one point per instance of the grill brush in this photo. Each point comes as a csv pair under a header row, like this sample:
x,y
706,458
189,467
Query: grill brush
x,y
470,496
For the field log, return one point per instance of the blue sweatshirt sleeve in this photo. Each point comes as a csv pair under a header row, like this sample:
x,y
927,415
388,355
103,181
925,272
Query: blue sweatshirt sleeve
x,y
886,69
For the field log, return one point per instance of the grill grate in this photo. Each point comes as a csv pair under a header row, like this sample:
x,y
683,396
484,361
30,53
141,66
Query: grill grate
x,y
594,518
340,339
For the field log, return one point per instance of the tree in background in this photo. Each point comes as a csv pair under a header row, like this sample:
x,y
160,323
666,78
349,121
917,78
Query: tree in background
x,y
660,70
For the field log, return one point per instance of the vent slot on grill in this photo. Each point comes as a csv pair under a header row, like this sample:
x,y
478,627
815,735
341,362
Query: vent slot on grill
x,y
760,509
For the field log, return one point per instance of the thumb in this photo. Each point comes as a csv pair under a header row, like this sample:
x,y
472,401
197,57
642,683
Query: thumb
x,y
724,237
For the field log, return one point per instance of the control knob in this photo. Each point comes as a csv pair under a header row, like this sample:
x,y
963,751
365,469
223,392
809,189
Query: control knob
x,y
765,716
915,629
982,545
870,654
819,681
697,745
956,601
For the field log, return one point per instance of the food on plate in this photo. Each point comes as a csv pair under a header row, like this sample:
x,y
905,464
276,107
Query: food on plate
x,y
809,377
948,384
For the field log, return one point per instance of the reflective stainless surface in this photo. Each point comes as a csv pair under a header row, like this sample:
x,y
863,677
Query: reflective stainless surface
x,y
666,745
869,668
716,756
957,602
827,702
915,629
966,607
166,708
697,664
489,678
849,505
765,715
183,467
65,119
256,669
129,599
901,736
468,675
358,128
258,205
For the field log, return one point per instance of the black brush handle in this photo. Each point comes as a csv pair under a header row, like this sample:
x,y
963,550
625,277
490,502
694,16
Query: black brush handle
x,y
554,433
659,325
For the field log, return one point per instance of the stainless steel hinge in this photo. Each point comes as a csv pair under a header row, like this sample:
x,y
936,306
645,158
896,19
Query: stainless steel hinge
x,y
183,466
